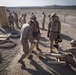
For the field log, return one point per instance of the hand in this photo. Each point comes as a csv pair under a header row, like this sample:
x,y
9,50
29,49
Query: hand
x,y
35,41
39,35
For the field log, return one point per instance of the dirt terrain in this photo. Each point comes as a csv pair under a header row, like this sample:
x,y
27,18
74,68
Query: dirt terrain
x,y
39,66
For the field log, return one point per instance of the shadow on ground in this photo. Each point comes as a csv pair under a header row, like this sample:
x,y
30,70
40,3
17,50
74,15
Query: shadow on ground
x,y
65,37
58,69
39,70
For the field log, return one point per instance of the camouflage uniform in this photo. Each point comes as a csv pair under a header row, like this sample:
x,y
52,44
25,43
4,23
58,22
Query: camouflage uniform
x,y
35,26
26,34
71,58
11,21
22,19
16,19
54,28
43,20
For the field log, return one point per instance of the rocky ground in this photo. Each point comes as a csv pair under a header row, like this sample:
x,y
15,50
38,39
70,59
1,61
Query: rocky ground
x,y
37,66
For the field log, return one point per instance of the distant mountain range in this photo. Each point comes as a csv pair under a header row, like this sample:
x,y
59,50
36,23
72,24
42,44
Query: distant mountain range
x,y
49,6
60,6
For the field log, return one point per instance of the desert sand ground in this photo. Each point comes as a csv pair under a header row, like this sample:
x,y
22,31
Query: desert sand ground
x,y
39,66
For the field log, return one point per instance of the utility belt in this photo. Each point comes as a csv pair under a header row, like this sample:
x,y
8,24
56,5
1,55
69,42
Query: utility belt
x,y
54,31
24,38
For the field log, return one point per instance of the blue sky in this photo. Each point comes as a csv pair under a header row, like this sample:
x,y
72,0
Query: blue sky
x,y
36,2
